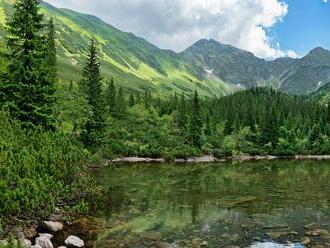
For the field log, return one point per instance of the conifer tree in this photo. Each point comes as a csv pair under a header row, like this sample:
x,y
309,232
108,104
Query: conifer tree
x,y
111,94
91,87
196,132
208,126
131,100
121,104
29,87
51,51
182,113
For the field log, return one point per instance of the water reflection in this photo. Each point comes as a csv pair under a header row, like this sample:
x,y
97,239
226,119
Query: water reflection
x,y
220,204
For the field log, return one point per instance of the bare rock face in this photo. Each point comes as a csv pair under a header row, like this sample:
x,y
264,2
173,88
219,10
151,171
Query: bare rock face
x,y
53,226
44,242
75,242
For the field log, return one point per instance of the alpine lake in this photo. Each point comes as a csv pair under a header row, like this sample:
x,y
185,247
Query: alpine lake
x,y
275,204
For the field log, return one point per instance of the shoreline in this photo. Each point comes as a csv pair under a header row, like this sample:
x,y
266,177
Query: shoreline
x,y
212,159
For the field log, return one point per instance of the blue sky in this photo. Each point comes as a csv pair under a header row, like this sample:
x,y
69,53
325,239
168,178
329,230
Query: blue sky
x,y
306,26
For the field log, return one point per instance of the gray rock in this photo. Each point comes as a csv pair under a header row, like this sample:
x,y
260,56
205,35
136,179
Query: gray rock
x,y
36,246
44,242
73,241
46,235
61,247
53,226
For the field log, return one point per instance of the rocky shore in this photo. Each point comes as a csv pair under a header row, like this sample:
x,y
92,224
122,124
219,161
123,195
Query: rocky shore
x,y
212,159
31,238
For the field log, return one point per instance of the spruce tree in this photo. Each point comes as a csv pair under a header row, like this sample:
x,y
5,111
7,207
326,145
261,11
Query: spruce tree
x,y
121,104
131,100
51,51
182,113
111,94
91,87
29,87
196,132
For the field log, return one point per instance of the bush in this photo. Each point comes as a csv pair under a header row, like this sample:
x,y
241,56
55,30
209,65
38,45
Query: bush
x,y
38,170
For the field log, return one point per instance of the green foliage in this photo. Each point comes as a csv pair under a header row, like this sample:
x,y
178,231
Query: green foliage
x,y
29,86
91,87
39,170
195,124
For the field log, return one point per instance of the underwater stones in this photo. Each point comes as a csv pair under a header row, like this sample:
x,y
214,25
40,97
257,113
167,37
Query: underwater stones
x,y
277,235
73,241
305,241
318,232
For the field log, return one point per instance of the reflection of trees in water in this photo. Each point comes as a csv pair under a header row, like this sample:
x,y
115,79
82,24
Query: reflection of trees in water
x,y
178,189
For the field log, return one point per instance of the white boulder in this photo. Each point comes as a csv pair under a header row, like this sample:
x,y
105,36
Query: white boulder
x,y
73,241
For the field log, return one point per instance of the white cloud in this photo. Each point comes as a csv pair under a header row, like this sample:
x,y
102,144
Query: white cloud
x,y
176,24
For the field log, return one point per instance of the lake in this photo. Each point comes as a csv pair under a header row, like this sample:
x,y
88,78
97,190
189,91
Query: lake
x,y
244,204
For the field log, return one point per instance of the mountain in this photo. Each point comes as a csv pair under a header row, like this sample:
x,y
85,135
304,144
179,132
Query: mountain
x,y
132,61
308,74
235,66
137,65
322,94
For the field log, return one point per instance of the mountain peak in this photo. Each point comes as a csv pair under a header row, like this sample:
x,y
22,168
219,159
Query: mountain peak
x,y
318,50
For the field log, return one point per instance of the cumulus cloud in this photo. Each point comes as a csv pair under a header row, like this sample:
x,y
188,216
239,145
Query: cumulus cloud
x,y
176,24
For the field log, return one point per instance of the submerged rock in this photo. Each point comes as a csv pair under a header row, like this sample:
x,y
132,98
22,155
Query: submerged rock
x,y
73,241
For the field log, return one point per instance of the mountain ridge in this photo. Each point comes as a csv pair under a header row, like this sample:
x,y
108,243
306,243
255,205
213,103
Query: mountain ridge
x,y
208,66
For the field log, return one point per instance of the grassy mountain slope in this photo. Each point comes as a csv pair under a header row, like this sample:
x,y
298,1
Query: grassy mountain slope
x,y
208,66
134,63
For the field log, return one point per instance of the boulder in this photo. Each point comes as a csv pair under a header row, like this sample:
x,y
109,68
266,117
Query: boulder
x,y
44,242
73,241
46,235
53,226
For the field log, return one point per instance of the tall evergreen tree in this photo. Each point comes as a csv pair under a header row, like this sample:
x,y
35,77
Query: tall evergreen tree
x,y
196,132
182,113
121,104
29,87
131,100
51,51
91,86
111,94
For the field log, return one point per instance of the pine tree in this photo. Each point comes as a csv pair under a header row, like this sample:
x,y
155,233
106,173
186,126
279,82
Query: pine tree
x,y
208,126
29,87
182,113
51,51
131,100
111,94
91,87
121,104
196,132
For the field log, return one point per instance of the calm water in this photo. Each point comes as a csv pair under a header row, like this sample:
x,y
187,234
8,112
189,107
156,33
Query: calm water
x,y
259,204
